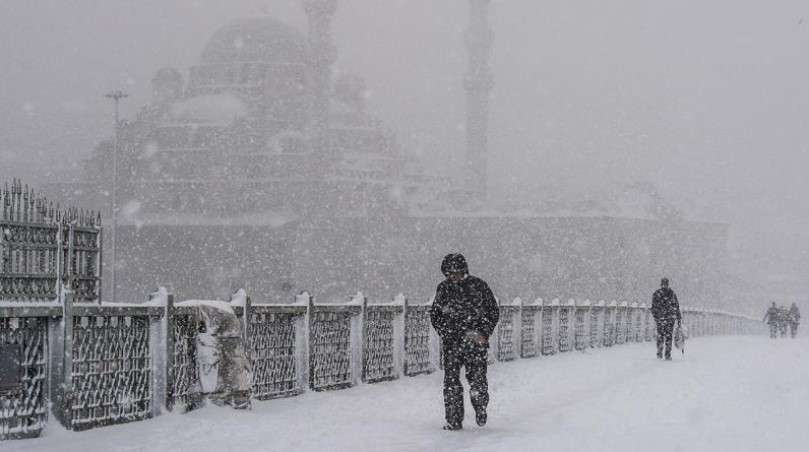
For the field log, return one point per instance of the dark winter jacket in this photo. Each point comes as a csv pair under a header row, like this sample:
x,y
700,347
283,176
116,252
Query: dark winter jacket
x,y
794,315
468,306
772,316
665,305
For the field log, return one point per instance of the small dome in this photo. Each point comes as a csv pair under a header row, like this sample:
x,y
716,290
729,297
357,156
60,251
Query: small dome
x,y
256,40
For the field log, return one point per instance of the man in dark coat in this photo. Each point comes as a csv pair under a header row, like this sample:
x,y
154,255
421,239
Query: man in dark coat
x,y
794,320
771,318
665,310
464,314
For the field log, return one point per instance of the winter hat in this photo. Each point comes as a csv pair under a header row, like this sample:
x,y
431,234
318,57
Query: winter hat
x,y
454,263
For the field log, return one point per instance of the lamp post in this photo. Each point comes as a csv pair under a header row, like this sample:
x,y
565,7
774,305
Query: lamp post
x,y
116,96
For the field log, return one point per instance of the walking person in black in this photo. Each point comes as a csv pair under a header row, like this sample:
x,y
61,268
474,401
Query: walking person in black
x,y
794,320
665,310
771,318
464,314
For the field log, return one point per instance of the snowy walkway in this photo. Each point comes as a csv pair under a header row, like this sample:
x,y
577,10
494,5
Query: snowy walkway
x,y
729,394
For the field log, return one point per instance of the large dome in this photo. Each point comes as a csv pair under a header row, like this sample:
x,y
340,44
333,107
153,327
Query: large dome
x,y
256,40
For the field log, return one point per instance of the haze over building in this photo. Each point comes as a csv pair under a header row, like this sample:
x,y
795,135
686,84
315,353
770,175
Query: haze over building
x,y
261,170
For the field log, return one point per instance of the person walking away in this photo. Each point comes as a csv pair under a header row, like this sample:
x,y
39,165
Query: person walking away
x,y
794,320
665,310
464,314
783,320
771,318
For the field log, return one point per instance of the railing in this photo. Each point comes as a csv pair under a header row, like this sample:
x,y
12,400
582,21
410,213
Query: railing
x,y
43,248
110,364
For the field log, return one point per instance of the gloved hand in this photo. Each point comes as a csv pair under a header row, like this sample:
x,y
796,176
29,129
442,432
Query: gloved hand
x,y
477,338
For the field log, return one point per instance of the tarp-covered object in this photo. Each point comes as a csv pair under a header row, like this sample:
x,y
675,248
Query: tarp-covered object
x,y
224,369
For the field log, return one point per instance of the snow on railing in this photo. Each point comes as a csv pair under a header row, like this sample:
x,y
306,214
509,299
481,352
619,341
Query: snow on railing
x,y
291,348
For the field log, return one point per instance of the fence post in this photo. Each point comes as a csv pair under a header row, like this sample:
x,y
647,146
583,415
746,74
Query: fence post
x,y
302,331
555,314
61,359
399,335
357,341
161,344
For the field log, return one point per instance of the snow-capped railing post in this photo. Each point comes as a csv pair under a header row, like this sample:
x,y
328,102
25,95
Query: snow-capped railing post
x,y
581,333
610,323
597,324
358,329
530,327
60,345
161,343
399,335
302,328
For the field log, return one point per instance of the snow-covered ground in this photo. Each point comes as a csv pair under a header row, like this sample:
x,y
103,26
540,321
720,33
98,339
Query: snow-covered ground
x,y
726,394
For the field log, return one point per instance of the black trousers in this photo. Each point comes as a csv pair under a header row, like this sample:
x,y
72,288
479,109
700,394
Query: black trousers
x,y
793,329
665,329
773,331
473,358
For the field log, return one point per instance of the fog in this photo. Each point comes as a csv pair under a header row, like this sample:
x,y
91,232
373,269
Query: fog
x,y
706,103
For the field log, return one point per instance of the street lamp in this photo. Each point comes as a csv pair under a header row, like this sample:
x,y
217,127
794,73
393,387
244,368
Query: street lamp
x,y
116,96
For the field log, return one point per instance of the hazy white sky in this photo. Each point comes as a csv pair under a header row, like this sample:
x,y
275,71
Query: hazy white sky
x,y
709,100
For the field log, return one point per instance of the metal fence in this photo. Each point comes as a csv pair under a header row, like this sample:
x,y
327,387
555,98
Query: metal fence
x,y
43,248
127,363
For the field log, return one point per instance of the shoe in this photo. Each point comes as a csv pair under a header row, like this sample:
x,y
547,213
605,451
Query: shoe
x,y
668,358
453,427
659,356
480,416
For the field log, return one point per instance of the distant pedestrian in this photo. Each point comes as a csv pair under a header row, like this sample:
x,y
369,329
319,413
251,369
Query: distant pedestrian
x,y
783,320
464,314
665,310
794,320
772,318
